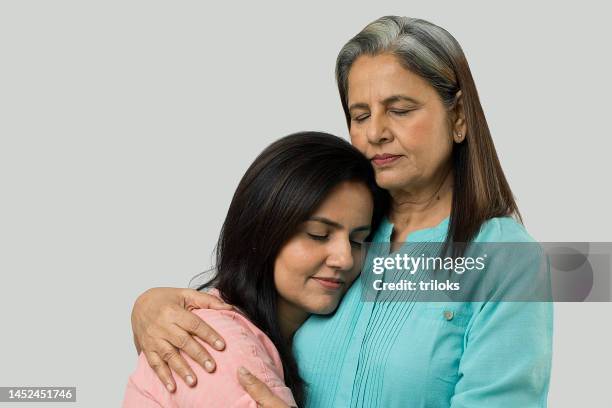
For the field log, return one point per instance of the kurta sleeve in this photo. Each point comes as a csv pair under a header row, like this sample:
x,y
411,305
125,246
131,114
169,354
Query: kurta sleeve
x,y
508,344
246,346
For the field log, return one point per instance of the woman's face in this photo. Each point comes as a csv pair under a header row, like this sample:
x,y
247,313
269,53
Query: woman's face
x,y
317,265
398,121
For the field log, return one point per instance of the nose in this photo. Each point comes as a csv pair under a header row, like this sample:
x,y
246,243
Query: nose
x,y
340,254
377,131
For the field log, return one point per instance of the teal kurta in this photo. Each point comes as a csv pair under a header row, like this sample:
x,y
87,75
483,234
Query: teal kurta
x,y
429,354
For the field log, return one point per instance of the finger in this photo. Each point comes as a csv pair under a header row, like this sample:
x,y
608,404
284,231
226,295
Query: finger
x,y
201,300
258,390
193,324
161,369
171,355
186,343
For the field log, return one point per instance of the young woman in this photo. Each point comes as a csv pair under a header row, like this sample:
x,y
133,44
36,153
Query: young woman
x,y
413,110
289,247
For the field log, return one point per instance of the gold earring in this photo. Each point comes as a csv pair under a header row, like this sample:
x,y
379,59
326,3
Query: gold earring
x,y
459,138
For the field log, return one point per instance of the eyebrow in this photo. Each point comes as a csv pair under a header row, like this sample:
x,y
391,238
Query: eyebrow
x,y
387,101
334,224
398,98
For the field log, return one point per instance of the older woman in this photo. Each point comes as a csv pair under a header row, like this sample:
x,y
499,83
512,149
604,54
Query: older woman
x,y
412,109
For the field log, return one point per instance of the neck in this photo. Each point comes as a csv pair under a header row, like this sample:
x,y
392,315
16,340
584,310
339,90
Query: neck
x,y
290,319
417,208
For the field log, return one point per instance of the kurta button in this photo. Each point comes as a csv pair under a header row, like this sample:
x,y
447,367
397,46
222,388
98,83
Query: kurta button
x,y
448,314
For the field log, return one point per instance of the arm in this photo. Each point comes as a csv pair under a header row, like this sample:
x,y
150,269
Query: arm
x,y
246,346
508,345
162,324
507,359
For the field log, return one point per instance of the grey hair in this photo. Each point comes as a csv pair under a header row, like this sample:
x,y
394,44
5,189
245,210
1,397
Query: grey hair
x,y
420,46
480,188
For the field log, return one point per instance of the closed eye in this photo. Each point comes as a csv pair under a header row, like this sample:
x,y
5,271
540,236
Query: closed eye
x,y
317,237
401,112
361,118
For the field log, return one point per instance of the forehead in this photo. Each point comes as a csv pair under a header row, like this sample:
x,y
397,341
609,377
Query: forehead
x,y
378,77
349,202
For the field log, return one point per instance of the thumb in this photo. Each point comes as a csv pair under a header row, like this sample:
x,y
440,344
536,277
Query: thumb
x,y
258,390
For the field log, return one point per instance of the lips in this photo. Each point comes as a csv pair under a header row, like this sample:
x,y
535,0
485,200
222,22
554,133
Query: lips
x,y
329,283
385,159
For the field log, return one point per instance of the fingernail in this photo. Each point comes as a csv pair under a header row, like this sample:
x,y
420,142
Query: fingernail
x,y
189,380
243,371
208,365
219,345
169,387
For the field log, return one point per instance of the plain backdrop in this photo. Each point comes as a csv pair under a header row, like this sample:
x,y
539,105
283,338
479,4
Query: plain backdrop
x,y
126,125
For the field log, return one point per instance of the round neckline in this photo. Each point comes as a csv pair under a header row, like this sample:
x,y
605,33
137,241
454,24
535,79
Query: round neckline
x,y
422,234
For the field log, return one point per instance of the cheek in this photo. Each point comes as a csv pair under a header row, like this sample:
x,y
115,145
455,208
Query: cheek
x,y
293,266
283,280
358,139
428,137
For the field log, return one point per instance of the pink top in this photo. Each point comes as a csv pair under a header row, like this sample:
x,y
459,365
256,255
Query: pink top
x,y
246,345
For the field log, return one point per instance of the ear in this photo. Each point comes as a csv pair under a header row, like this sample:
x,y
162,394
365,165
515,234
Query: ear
x,y
459,126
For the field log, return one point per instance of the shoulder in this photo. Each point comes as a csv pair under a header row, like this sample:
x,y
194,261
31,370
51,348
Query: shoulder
x,y
244,342
241,336
246,345
236,328
517,265
503,229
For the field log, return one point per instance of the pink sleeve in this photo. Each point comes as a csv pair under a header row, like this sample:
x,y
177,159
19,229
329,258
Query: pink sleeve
x,y
246,345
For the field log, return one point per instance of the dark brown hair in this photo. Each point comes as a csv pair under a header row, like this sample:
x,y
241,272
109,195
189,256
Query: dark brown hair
x,y
280,190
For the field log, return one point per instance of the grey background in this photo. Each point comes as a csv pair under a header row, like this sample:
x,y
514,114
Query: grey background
x,y
125,127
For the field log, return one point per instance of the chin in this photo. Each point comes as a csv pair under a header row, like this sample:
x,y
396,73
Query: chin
x,y
388,182
323,308
395,179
